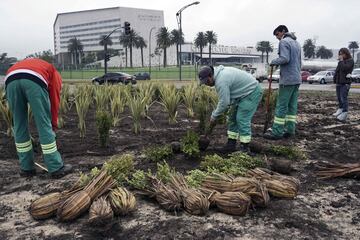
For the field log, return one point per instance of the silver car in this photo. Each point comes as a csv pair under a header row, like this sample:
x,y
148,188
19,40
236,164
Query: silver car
x,y
322,77
355,75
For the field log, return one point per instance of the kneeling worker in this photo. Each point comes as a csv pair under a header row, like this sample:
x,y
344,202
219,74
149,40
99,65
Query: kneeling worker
x,y
37,83
239,92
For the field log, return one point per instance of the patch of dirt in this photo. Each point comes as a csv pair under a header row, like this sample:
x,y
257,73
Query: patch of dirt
x,y
322,210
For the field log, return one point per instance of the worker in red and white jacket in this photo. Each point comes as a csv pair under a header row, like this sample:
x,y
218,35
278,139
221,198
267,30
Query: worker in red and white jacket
x,y
37,83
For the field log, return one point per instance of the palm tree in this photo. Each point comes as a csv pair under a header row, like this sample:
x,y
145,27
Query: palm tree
x,y
262,47
177,39
108,41
211,38
163,40
125,41
324,53
309,48
75,47
140,43
352,46
200,42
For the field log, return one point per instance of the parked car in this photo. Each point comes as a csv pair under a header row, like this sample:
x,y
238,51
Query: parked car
x,y
275,76
305,75
322,77
142,76
355,75
114,78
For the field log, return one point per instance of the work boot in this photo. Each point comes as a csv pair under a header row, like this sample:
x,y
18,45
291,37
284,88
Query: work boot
x,y
342,117
64,170
229,147
27,173
270,136
245,148
338,112
288,135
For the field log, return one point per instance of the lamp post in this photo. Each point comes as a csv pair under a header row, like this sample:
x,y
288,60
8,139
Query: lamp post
x,y
105,47
150,50
178,16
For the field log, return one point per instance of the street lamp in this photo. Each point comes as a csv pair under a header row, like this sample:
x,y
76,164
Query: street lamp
x,y
150,50
105,47
178,17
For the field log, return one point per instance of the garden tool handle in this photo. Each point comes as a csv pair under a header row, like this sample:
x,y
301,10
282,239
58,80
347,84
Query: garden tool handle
x,y
269,90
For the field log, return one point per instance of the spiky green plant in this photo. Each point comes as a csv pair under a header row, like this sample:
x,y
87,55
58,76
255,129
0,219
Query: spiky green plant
x,y
146,92
190,144
137,107
6,113
170,99
103,124
102,97
117,103
64,104
82,102
188,96
204,104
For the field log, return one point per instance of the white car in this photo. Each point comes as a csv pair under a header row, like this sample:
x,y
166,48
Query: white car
x,y
355,75
275,76
322,77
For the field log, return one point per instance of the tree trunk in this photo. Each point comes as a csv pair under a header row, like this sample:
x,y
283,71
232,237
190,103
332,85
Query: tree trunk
x,y
164,57
210,60
131,62
177,55
126,57
201,56
262,57
142,57
267,57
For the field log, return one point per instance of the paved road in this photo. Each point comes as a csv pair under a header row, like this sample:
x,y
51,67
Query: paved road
x,y
355,88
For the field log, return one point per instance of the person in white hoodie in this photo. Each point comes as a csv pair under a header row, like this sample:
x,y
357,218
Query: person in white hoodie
x,y
240,93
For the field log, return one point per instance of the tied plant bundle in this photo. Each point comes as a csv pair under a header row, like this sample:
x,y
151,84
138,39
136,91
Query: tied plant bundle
x,y
122,201
100,213
195,202
168,197
233,203
277,184
47,205
210,194
218,182
327,170
80,202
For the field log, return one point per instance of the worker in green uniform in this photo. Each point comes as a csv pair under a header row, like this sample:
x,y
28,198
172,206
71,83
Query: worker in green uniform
x,y
239,93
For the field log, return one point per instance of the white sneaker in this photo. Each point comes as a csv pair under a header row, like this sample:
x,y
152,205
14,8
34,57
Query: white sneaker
x,y
338,112
342,117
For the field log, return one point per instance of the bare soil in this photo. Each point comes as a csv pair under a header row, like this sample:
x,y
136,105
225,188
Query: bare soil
x,y
324,209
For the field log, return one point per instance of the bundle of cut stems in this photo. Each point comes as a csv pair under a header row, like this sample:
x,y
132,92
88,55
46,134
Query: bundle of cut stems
x,y
218,182
233,203
46,206
81,201
333,170
100,213
122,201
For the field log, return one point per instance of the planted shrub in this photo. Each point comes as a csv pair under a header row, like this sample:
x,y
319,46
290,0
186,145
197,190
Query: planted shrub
x,y
290,152
103,124
120,167
204,104
195,177
64,104
190,144
164,172
158,153
139,179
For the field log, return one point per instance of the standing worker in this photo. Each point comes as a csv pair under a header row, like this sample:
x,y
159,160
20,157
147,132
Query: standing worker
x,y
37,83
290,79
241,92
343,82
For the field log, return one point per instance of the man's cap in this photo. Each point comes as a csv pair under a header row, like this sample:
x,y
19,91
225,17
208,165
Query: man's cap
x,y
204,73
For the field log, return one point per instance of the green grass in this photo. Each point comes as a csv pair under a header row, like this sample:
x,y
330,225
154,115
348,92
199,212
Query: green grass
x,y
168,73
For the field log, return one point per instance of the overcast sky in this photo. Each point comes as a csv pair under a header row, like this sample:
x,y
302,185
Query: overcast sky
x,y
26,25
